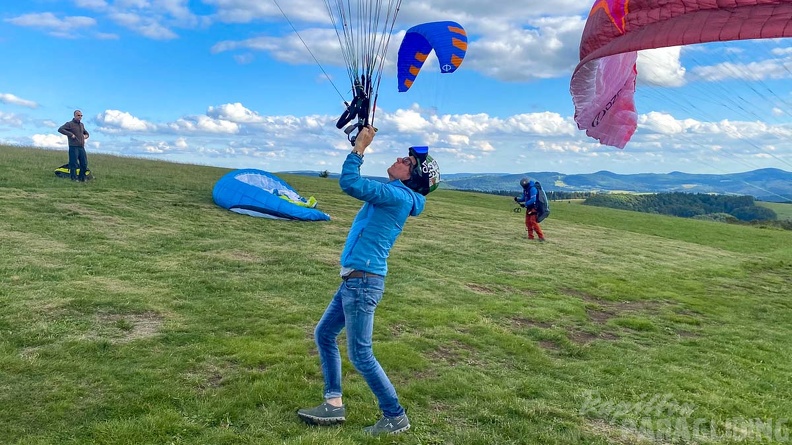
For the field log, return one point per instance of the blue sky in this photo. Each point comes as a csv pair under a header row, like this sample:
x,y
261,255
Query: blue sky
x,y
228,83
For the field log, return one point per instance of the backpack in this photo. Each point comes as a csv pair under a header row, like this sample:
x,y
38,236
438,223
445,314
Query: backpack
x,y
542,207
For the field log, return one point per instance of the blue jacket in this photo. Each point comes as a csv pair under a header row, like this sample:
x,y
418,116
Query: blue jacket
x,y
379,222
529,195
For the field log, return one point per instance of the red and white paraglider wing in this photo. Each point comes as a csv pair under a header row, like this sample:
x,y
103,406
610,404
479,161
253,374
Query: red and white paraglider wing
x,y
603,83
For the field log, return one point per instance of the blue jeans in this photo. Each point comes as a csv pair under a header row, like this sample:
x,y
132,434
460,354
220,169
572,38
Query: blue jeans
x,y
353,307
77,158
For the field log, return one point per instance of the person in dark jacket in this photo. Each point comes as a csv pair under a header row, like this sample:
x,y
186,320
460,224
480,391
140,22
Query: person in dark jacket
x,y
363,268
528,199
75,131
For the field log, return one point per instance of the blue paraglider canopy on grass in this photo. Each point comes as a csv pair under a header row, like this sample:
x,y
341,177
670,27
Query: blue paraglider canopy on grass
x,y
262,194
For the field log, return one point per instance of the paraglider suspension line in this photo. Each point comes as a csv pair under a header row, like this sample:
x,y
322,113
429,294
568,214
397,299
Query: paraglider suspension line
x,y
309,51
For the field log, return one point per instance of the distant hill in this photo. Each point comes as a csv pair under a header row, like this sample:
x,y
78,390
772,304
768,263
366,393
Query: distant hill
x,y
769,184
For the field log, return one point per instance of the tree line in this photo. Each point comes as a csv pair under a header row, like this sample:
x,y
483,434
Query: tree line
x,y
552,196
722,208
686,205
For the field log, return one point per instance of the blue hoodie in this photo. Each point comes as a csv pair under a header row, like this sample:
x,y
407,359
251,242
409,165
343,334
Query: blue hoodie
x,y
529,195
379,222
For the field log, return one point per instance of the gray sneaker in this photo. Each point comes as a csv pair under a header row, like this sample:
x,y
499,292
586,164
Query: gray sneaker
x,y
324,414
389,425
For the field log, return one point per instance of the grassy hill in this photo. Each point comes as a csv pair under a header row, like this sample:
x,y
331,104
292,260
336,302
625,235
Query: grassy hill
x,y
782,209
135,311
767,184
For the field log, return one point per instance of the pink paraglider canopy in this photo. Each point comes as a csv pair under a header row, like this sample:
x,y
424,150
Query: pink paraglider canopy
x,y
603,84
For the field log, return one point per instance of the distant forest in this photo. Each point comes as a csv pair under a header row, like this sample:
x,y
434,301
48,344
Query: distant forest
x,y
687,205
724,208
552,196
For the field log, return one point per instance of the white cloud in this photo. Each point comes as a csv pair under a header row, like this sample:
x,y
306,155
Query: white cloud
x,y
49,20
233,135
519,41
235,112
10,119
545,123
752,71
66,27
547,49
661,67
323,43
7,98
147,26
91,4
663,123
154,19
245,11
204,124
49,141
115,121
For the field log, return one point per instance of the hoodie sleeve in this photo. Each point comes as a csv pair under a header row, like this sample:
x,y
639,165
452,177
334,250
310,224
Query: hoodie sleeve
x,y
532,199
358,187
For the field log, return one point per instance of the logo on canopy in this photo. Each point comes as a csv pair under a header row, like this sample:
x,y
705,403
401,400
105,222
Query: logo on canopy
x,y
616,10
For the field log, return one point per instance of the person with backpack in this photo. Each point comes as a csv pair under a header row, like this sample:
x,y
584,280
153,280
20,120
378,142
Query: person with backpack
x,y
534,207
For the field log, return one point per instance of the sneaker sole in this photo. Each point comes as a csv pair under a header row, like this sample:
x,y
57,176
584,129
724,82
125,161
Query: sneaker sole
x,y
399,431
314,420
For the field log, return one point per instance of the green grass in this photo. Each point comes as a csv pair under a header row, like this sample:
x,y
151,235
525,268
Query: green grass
x,y
782,209
135,311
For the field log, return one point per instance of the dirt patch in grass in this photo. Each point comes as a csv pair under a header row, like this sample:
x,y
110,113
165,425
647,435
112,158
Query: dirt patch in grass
x,y
454,353
621,435
399,329
582,337
585,296
522,322
490,289
237,255
209,376
426,374
124,328
599,311
598,316
550,345
213,381
480,289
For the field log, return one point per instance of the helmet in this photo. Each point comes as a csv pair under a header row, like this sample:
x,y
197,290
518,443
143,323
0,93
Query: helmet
x,y
425,176
525,183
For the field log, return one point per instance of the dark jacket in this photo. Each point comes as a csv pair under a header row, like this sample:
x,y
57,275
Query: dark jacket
x,y
75,128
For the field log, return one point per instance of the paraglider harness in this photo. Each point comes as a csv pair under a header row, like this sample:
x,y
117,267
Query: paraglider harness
x,y
540,206
359,108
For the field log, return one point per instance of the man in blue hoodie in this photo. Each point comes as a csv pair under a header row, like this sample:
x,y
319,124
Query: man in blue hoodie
x,y
529,200
363,268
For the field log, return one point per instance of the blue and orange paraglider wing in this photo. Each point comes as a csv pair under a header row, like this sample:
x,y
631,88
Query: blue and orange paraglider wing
x,y
447,39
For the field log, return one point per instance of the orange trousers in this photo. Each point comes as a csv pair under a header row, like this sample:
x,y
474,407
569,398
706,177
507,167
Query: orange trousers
x,y
531,225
